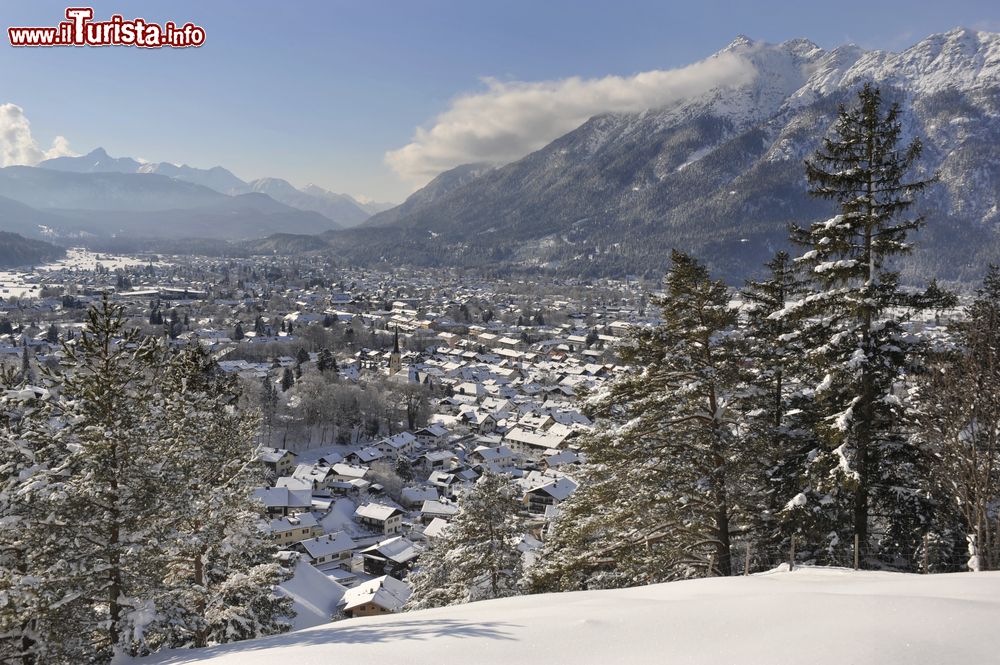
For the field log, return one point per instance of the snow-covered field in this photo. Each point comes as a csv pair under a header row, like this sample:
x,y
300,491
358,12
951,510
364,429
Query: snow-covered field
x,y
812,616
21,284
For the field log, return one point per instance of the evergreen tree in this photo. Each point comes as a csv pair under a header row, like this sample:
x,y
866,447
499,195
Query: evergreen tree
x,y
52,335
301,357
777,429
325,361
287,379
850,322
27,374
959,419
110,478
38,623
238,334
219,580
477,557
95,557
657,500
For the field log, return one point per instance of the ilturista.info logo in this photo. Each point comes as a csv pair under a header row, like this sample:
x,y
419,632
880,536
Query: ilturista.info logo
x,y
80,29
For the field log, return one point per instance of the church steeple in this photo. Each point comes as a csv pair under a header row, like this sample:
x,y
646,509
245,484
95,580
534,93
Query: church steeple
x,y
395,358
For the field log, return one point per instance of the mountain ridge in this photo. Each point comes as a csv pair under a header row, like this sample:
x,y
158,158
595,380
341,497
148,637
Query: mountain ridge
x,y
721,175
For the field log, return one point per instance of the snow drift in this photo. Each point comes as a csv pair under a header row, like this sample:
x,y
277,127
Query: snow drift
x,y
812,616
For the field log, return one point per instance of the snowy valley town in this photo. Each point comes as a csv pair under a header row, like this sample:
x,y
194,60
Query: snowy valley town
x,y
684,348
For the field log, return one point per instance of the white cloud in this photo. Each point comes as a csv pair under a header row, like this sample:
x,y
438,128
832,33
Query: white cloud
x,y
510,119
17,146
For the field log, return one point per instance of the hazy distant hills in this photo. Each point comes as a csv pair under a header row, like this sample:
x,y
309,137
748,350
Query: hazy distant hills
x,y
96,198
340,207
719,175
66,205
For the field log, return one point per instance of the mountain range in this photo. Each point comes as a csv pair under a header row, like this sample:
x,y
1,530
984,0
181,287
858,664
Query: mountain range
x,y
720,175
96,196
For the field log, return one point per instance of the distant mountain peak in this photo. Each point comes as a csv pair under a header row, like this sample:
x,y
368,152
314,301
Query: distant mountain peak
x,y
741,42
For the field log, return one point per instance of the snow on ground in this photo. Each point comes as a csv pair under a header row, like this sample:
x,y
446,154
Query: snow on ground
x,y
22,284
813,616
78,258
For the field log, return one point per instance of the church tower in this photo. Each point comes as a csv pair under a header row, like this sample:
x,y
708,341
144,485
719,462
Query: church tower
x,y
395,358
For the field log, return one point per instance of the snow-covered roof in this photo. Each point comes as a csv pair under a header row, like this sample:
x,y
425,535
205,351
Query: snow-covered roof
x,y
376,511
331,543
315,596
438,508
399,550
386,592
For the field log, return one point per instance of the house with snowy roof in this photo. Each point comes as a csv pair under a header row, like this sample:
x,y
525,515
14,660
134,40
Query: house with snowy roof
x,y
292,529
316,598
431,509
387,519
382,595
365,456
398,444
276,460
432,435
329,549
550,494
411,497
280,501
394,556
318,475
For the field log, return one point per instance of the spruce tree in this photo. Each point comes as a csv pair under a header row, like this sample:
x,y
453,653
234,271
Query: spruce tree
x,y
39,620
657,500
325,361
777,430
220,576
477,557
110,481
959,419
287,379
851,322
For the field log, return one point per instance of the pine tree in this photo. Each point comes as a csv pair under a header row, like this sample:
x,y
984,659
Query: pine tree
x,y
777,430
52,335
851,325
238,334
37,620
959,419
110,480
325,361
219,579
657,501
287,380
477,557
301,357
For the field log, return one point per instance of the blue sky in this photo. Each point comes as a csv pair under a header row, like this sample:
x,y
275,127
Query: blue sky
x,y
320,90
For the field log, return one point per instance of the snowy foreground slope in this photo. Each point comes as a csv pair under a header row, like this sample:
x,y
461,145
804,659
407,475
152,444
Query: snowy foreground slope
x,y
807,617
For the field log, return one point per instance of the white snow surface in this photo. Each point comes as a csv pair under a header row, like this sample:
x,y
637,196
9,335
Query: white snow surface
x,y
812,616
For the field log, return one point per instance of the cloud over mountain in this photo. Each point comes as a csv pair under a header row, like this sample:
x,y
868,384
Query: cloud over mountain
x,y
510,119
18,146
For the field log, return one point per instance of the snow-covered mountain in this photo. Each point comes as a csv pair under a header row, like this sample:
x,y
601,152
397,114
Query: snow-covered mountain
x,y
721,174
811,616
